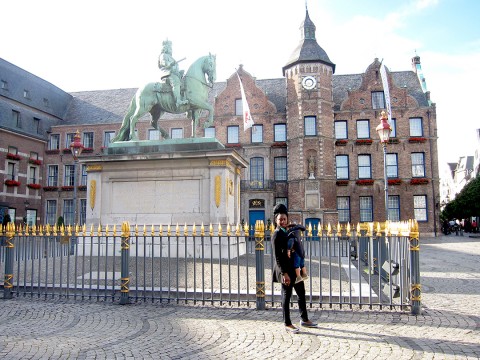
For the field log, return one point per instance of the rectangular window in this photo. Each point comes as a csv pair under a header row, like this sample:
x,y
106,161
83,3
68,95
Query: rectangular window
x,y
83,180
418,164
257,133
366,209
364,167
4,85
210,132
68,212
33,155
393,125
88,140
280,132
51,212
341,163
363,129
392,165
69,175
280,168
416,129
281,200
232,135
32,171
343,208
378,100
310,124
176,133
394,208
83,211
420,207
341,130
107,137
12,150
238,107
54,142
52,175
31,217
11,171
16,119
69,140
256,173
36,125
153,134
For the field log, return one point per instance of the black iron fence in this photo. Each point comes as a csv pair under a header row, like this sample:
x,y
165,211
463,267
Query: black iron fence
x,y
368,265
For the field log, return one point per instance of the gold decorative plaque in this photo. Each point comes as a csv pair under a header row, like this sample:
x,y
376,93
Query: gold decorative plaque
x,y
94,168
93,190
218,186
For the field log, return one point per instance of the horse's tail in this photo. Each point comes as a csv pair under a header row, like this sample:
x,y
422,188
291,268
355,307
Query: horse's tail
x,y
124,132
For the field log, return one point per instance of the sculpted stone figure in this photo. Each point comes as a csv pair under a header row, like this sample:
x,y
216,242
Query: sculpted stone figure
x,y
160,97
171,73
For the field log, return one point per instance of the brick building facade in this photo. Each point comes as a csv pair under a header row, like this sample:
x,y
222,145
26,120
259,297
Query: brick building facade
x,y
313,145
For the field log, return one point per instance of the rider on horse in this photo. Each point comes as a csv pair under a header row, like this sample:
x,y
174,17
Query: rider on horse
x,y
171,74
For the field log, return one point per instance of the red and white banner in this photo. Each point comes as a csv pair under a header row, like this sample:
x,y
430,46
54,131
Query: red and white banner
x,y
247,117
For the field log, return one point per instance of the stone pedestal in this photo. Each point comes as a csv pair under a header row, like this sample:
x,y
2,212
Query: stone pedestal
x,y
181,181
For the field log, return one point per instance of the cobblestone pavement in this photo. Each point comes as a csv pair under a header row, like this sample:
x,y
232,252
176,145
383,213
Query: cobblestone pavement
x,y
448,328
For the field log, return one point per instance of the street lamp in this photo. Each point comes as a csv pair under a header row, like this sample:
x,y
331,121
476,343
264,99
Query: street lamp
x,y
76,147
384,130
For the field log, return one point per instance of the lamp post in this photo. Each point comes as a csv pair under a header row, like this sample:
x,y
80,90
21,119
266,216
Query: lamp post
x,y
384,130
76,147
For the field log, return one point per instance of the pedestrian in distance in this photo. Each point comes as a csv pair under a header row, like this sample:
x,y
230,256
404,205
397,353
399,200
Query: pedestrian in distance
x,y
284,272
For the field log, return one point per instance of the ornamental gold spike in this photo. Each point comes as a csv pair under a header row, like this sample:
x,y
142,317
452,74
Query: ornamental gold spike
x,y
106,230
211,229
228,230
177,230
202,230
309,229
339,229
329,230
91,230
136,230
194,229
144,230
219,230
245,228
185,230
69,230
114,230
349,229
379,229
237,229
160,230
152,230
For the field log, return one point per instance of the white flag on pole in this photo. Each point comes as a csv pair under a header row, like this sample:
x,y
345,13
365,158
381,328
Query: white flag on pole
x,y
386,92
247,117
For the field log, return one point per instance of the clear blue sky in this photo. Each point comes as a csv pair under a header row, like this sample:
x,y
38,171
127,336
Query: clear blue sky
x,y
108,44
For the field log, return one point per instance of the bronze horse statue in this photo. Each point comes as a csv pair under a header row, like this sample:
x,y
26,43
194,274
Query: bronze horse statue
x,y
157,98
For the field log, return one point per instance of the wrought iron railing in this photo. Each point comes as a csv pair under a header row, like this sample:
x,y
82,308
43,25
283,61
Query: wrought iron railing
x,y
367,265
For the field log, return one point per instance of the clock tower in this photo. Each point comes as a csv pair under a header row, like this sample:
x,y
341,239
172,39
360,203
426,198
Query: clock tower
x,y
310,131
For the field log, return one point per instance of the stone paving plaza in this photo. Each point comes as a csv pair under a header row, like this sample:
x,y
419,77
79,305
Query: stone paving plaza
x,y
448,328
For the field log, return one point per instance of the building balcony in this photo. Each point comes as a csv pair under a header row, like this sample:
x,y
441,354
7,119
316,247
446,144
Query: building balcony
x,y
252,185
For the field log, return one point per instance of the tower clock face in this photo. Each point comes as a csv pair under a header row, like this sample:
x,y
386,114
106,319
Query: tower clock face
x,y
309,82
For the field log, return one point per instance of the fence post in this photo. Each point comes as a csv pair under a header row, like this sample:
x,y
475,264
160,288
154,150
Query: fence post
x,y
8,278
415,287
260,264
125,278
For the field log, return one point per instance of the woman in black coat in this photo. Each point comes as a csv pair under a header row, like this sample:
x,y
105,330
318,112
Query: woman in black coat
x,y
284,272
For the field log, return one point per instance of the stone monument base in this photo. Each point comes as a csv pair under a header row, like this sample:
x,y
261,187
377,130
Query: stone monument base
x,y
181,181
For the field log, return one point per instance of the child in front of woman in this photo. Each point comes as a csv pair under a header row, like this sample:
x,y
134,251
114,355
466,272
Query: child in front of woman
x,y
296,250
